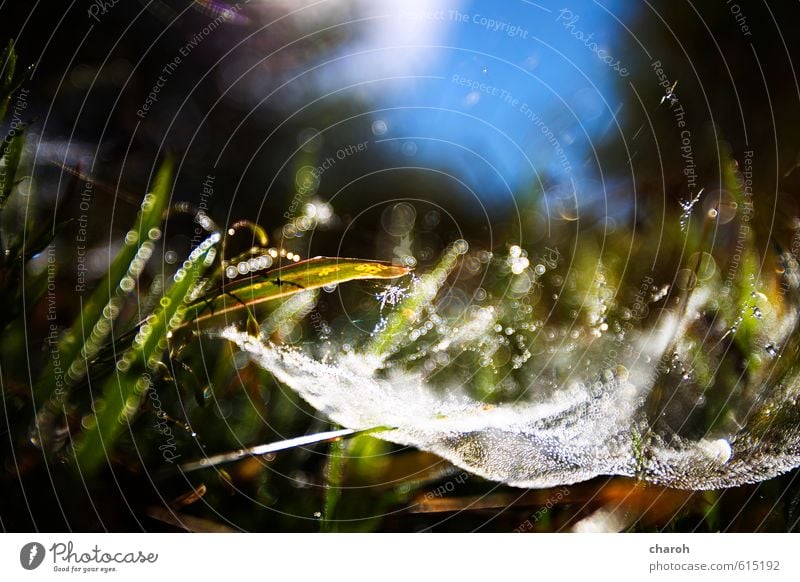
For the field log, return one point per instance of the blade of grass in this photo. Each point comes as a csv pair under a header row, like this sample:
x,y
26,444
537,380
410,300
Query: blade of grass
x,y
8,65
265,449
124,391
749,269
409,310
303,276
88,333
283,320
10,156
10,82
333,485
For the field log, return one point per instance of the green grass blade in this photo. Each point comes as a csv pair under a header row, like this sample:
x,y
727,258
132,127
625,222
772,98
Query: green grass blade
x,y
749,268
10,156
282,321
123,392
278,283
333,484
88,333
10,81
8,65
408,312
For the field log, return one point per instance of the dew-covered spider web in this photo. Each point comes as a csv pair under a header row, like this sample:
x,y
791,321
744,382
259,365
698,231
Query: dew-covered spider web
x,y
650,387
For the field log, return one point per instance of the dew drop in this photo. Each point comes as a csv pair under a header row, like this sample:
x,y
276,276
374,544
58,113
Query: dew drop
x,y
379,127
460,246
127,284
